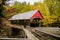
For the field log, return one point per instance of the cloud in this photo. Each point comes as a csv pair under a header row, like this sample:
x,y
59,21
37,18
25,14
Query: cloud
x,y
31,1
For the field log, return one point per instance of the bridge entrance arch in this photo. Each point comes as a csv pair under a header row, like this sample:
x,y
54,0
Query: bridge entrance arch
x,y
35,22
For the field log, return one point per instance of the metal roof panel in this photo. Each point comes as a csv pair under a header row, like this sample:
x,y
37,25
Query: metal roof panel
x,y
25,15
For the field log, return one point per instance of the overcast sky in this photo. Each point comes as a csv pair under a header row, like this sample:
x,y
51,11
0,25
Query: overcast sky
x,y
31,1
11,2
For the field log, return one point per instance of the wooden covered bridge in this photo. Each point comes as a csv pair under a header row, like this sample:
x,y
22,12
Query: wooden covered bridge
x,y
30,18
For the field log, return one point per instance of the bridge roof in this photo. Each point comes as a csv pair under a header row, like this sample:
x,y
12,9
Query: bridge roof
x,y
25,15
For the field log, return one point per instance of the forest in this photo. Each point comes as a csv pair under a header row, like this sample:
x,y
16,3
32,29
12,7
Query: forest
x,y
50,9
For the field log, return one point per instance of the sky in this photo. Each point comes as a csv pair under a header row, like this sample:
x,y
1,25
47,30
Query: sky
x,y
31,1
11,2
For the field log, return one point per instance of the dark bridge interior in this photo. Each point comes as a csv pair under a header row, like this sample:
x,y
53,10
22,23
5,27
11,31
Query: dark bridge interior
x,y
35,22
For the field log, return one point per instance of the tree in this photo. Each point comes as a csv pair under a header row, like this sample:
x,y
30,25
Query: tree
x,y
2,2
54,8
21,7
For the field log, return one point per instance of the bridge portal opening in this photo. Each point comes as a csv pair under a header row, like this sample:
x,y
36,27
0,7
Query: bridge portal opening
x,y
35,22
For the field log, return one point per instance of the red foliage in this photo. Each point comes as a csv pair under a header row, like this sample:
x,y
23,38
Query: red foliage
x,y
11,10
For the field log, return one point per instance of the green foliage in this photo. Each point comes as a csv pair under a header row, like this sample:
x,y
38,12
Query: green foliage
x,y
22,7
54,9
50,9
2,2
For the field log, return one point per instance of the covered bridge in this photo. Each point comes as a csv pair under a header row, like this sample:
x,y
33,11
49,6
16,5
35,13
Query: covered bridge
x,y
30,18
